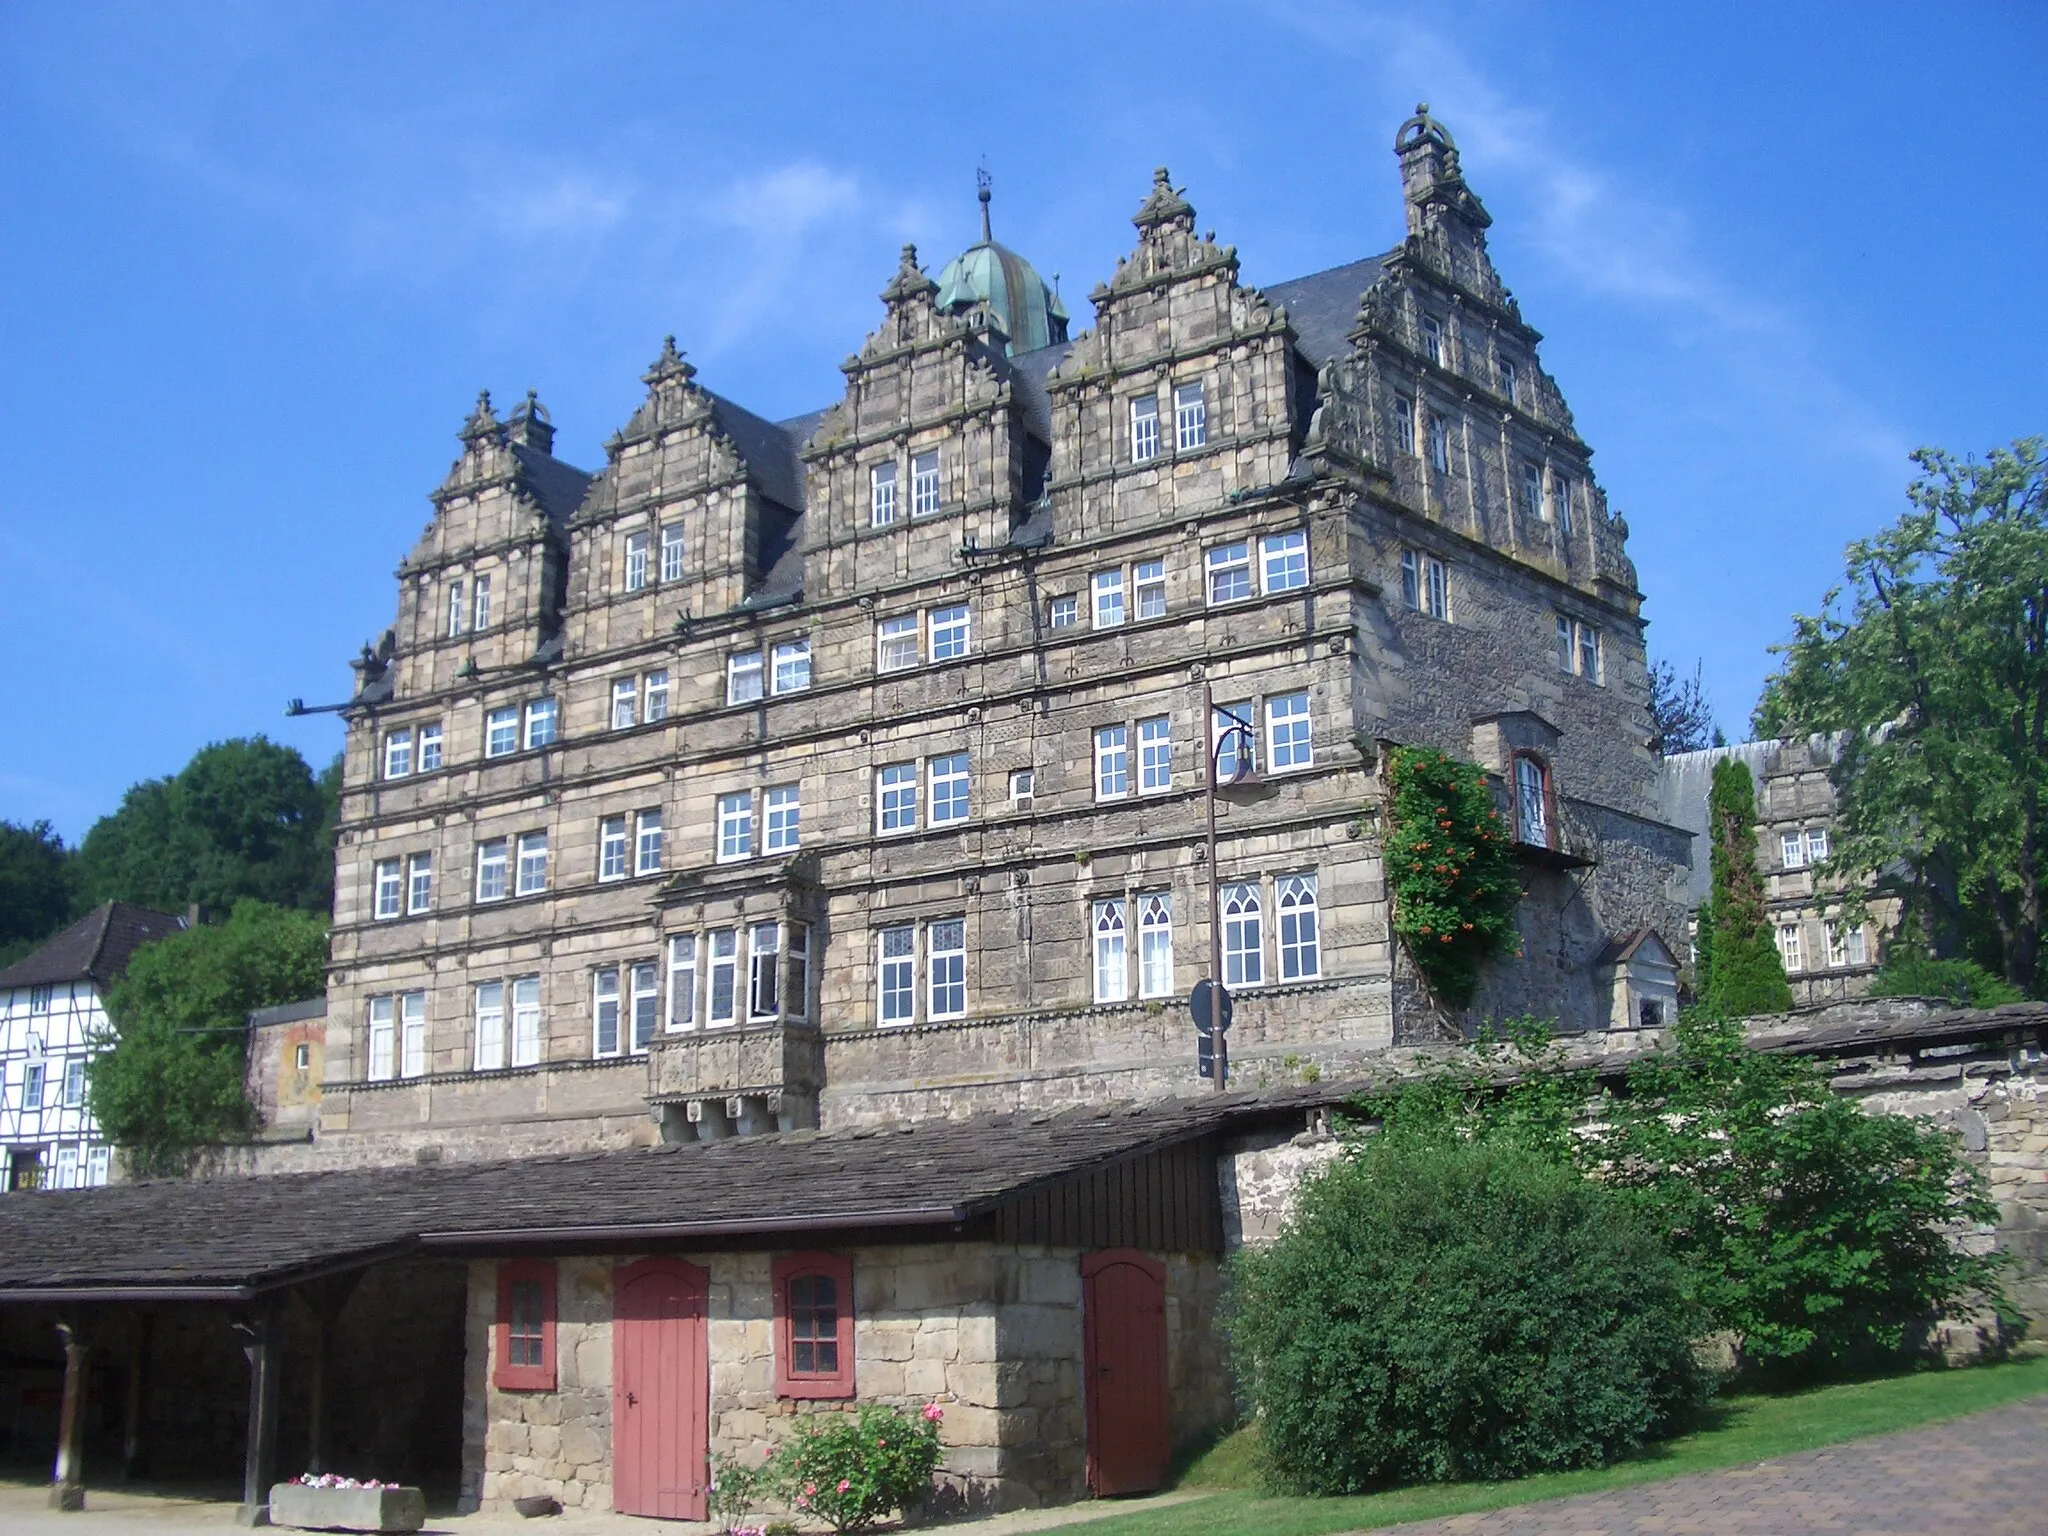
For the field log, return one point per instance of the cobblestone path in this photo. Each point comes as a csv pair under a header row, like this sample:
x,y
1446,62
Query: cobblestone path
x,y
1986,1475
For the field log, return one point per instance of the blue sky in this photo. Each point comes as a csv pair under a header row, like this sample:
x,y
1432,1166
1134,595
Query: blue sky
x,y
256,260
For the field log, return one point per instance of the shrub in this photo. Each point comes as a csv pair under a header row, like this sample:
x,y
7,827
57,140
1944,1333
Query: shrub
x,y
1441,1310
1963,983
1452,872
851,1469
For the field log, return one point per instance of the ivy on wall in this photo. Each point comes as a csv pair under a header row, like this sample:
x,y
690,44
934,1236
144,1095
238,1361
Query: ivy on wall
x,y
1450,870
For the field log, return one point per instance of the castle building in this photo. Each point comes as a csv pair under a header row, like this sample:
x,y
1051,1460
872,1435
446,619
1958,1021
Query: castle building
x,y
853,767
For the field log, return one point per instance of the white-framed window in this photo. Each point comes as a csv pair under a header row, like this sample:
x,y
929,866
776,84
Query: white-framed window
x,y
655,704
1244,936
735,827
949,779
419,883
1433,339
1144,428
1790,947
1532,490
882,495
672,551
32,1085
1510,382
525,1021
643,980
501,731
1561,501
946,971
625,703
636,561
647,843
1816,844
1229,568
896,798
792,665
947,630
724,1001
65,1175
74,1082
430,747
1300,948
1108,589
456,611
764,947
796,995
492,860
783,812
533,863
1792,849
1190,417
743,677
540,723
604,1012
896,643
896,974
1233,738
682,981
1155,945
1287,731
1148,588
1404,424
1062,612
1425,584
1023,783
1439,443
390,889
1857,942
1578,649
611,848
490,1026
1155,754
1112,952
1532,800
1112,762
96,1159
924,483
1283,561
412,1034
482,604
398,754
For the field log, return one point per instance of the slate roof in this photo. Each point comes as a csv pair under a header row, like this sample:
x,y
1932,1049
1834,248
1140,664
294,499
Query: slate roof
x,y
235,1236
289,1013
95,948
1323,306
558,486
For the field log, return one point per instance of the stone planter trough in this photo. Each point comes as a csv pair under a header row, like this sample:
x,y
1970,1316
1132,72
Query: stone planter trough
x,y
347,1509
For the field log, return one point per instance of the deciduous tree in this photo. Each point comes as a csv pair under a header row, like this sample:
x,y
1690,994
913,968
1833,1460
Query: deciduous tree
x,y
38,886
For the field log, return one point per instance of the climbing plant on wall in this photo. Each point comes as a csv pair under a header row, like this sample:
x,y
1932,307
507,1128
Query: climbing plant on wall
x,y
1450,869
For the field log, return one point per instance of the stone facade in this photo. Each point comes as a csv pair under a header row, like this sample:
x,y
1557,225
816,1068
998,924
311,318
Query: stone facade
x,y
991,1333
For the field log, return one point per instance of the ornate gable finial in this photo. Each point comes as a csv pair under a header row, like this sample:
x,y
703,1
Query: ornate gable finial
x,y
483,421
909,281
1422,127
983,188
1166,205
670,365
531,425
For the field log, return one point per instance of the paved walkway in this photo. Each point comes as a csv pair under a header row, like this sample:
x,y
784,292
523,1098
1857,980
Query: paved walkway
x,y
1986,1475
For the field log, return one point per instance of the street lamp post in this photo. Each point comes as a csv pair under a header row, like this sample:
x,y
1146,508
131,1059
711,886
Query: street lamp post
x,y
1241,755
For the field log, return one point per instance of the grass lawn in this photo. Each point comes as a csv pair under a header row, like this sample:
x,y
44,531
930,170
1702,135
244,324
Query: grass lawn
x,y
1740,1429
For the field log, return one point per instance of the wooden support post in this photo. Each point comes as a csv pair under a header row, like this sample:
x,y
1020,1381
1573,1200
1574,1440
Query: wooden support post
x,y
263,1342
67,1485
324,1299
131,1424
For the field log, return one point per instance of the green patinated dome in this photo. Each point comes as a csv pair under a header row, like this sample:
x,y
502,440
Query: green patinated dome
x,y
1021,301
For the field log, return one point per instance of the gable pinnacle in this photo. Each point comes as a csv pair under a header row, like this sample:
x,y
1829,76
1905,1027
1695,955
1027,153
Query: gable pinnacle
x,y
1165,205
483,421
670,365
909,279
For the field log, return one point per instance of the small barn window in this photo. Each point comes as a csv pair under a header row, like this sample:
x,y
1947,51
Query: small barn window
x,y
525,1353
814,1325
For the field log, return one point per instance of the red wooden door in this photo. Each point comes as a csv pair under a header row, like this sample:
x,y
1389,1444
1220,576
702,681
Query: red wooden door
x,y
1123,1329
661,1389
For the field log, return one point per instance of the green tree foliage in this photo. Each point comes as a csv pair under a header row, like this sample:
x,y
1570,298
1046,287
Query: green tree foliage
x,y
244,819
1911,972
170,1081
1443,1310
38,887
1450,868
1935,659
1681,719
1740,972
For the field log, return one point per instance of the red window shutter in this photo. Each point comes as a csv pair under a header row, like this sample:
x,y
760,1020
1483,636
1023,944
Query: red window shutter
x,y
523,1342
803,1366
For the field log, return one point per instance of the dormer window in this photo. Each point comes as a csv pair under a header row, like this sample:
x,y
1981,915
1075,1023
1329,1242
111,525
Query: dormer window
x,y
882,495
1190,418
924,484
1433,339
1532,801
1144,428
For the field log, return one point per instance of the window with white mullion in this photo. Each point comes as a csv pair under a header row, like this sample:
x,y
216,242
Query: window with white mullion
x,y
1155,754
412,1034
398,754
382,1064
1233,739
1244,954
1155,945
532,874
1144,429
743,677
605,1037
419,883
655,706
946,946
896,975
1112,952
1288,732
647,843
625,699
783,812
722,1006
1108,587
924,483
949,779
672,551
896,643
643,979
882,495
682,981
483,603
636,561
390,889
1190,417
1148,588
796,992
792,666
764,973
526,1021
1229,569
1283,561
490,1026
735,827
492,861
456,611
896,798
947,631
611,848
1300,941
1112,762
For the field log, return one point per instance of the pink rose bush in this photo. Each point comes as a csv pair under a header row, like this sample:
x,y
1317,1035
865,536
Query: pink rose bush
x,y
849,1468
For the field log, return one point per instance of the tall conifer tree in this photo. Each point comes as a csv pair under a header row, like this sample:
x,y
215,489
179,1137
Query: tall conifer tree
x,y
1740,971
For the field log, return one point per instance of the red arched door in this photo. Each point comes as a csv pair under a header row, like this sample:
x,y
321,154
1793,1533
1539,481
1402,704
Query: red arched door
x,y
1123,1307
661,1389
